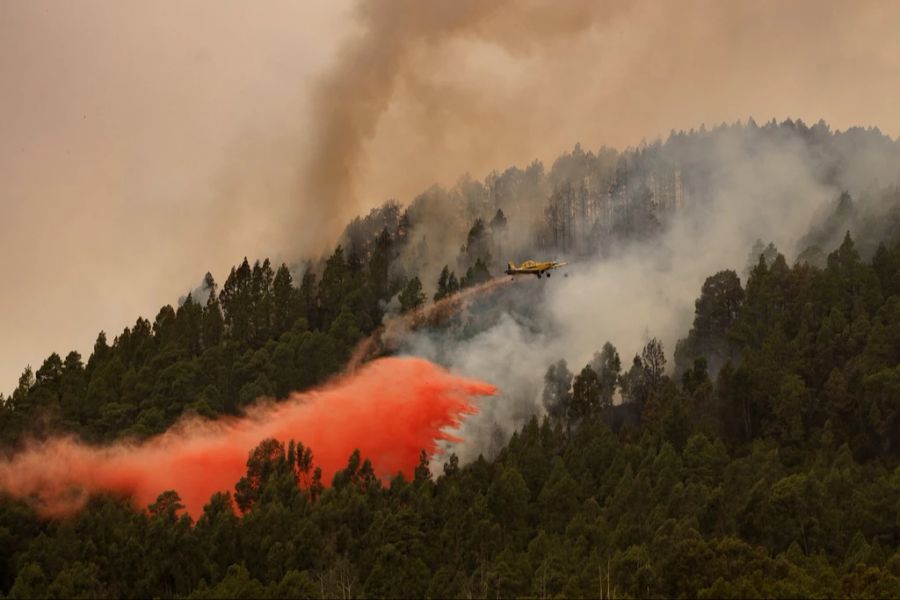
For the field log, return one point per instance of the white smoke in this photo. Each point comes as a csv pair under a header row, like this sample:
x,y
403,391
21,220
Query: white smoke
x,y
643,290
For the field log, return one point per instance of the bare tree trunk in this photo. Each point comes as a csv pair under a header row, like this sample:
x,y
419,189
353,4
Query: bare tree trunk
x,y
600,571
608,577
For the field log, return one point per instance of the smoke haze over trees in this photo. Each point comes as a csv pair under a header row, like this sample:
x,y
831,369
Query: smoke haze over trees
x,y
670,402
644,227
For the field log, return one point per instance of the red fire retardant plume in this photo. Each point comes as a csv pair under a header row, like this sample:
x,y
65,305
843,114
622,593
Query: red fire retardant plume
x,y
391,409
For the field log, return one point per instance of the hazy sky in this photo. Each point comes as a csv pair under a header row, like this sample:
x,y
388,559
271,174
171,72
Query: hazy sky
x,y
144,143
127,130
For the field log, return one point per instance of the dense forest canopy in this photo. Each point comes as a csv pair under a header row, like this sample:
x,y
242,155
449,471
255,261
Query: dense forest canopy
x,y
759,456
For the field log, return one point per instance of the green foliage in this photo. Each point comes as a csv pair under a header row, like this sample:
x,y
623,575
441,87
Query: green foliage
x,y
479,243
447,284
477,274
715,314
412,297
237,584
557,383
587,394
260,336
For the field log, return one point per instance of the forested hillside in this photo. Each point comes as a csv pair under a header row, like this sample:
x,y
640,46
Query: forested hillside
x,y
268,330
780,478
764,462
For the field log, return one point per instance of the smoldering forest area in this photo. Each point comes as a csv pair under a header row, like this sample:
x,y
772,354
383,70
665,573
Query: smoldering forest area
x,y
641,229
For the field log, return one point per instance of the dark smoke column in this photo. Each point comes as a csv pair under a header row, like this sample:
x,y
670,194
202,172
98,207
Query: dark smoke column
x,y
351,99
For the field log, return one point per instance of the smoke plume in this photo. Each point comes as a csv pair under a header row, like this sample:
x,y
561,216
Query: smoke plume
x,y
391,336
757,186
426,91
386,56
390,410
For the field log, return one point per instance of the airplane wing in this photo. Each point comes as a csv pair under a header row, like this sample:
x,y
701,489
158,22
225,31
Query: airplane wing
x,y
553,265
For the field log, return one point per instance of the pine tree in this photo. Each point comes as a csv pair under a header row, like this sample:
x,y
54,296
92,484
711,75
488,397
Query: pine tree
x,y
213,326
285,300
412,297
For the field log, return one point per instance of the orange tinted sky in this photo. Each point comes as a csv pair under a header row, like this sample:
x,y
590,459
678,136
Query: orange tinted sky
x,y
144,143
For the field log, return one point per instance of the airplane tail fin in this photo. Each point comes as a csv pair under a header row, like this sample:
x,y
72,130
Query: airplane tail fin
x,y
511,266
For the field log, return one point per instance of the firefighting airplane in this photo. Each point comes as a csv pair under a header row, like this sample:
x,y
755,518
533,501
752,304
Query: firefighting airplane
x,y
530,267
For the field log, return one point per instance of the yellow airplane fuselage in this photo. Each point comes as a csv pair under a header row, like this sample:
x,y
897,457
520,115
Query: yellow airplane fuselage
x,y
531,267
